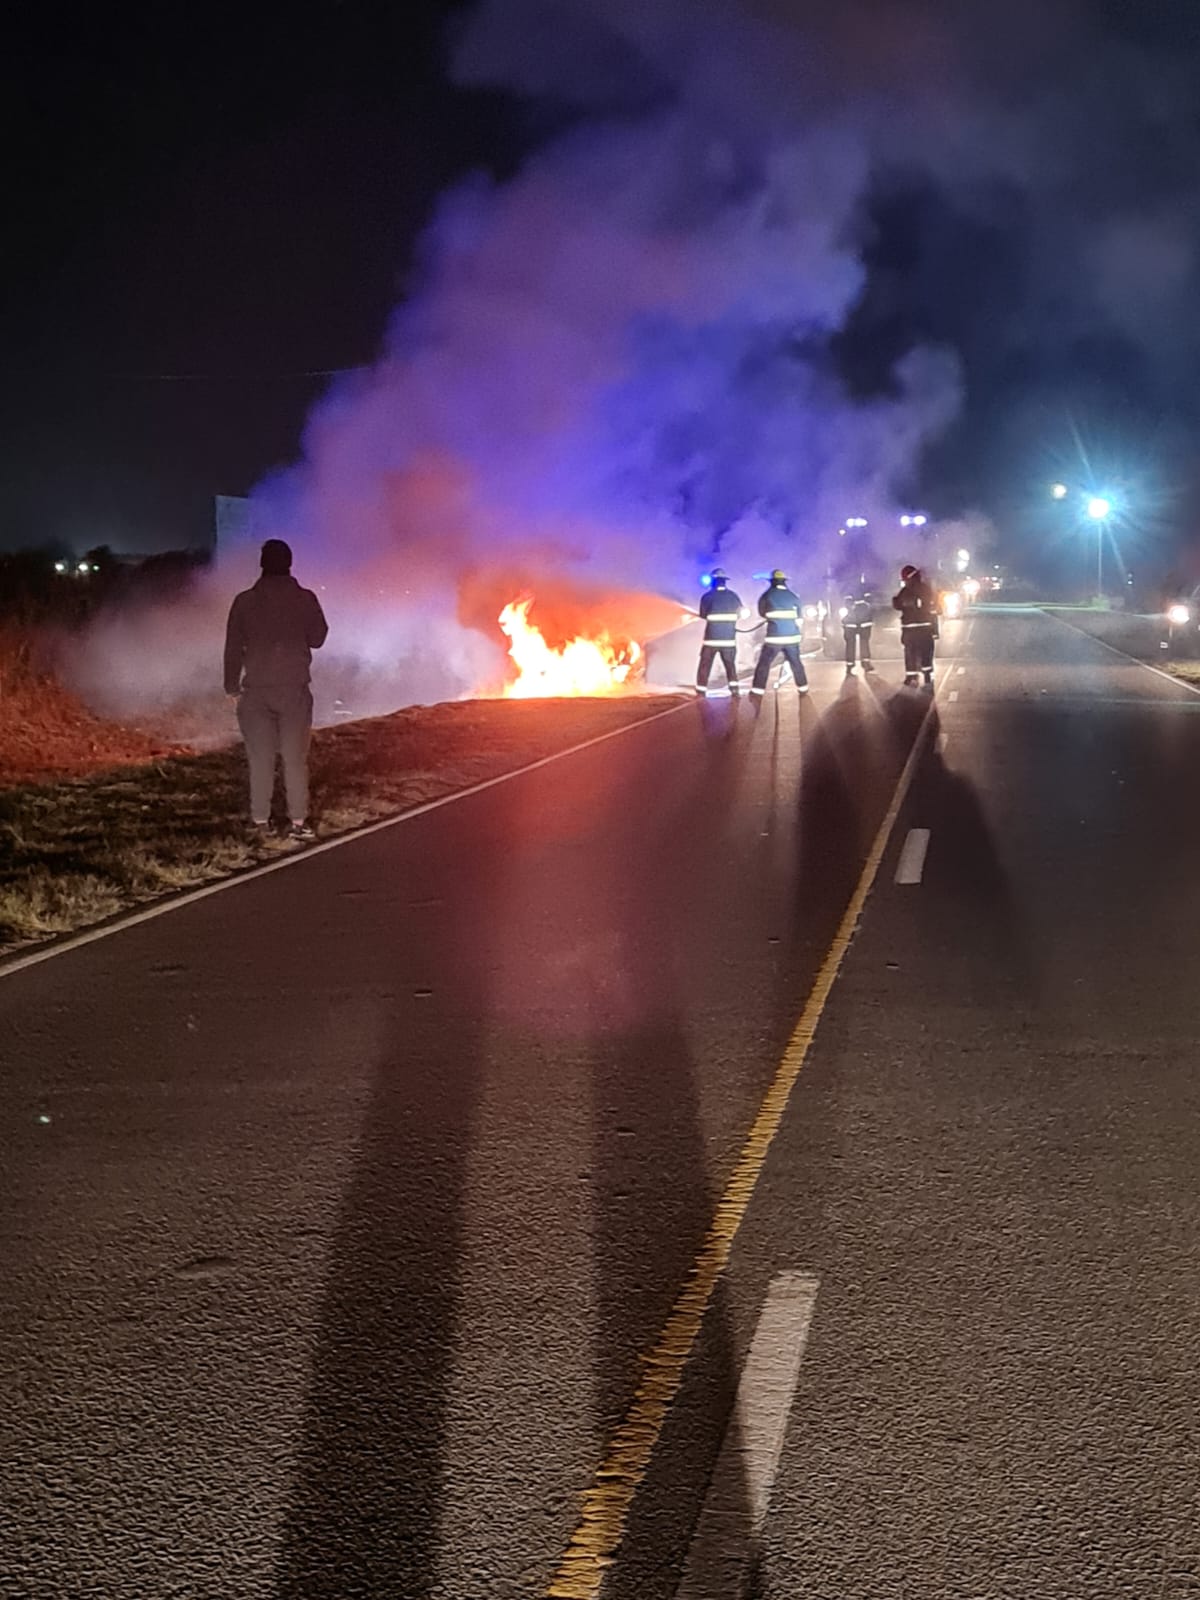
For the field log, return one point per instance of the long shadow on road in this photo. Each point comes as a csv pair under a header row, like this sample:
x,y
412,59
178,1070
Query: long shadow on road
x,y
603,939
812,854
654,1185
616,926
366,1506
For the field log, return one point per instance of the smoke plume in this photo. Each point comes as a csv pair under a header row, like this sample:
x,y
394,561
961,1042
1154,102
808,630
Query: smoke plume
x,y
677,335
616,367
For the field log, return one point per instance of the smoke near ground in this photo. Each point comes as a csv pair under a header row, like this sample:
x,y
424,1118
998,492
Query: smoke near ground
x,y
747,289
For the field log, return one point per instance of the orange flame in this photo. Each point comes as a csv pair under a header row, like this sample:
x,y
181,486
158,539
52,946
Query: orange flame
x,y
582,666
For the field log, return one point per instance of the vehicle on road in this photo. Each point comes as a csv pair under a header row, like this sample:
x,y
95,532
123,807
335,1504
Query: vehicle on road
x,y
1181,625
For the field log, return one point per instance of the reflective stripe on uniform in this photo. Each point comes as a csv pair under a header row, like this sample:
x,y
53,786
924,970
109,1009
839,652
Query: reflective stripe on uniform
x,y
904,625
775,616
718,644
721,616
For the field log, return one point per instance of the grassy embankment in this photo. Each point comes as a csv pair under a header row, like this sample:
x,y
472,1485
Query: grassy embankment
x,y
73,853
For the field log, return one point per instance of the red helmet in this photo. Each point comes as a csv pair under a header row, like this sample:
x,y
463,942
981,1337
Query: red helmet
x,y
909,572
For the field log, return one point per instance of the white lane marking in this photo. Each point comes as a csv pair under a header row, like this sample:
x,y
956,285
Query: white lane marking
x,y
739,1492
912,857
91,935
943,741
1180,683
953,695
960,670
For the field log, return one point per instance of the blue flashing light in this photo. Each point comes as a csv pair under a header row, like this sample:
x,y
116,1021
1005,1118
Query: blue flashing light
x,y
706,580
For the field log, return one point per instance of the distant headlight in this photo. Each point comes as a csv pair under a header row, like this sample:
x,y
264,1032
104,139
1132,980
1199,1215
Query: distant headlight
x,y
843,613
811,613
1177,616
971,588
951,604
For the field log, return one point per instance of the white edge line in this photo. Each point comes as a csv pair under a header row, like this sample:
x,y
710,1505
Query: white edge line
x,y
739,1491
1168,677
911,865
953,696
34,958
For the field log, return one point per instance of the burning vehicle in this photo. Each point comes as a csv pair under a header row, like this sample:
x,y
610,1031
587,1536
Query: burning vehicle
x,y
580,666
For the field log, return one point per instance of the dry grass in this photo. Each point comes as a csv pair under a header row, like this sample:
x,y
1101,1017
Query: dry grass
x,y
73,853
46,733
1189,671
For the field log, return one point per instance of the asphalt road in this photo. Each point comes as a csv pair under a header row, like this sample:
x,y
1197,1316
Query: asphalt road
x,y
337,1208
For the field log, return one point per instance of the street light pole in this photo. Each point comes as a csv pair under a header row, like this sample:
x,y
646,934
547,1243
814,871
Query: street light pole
x,y
1099,509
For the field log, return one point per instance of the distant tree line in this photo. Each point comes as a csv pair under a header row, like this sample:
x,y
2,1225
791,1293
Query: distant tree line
x,y
60,589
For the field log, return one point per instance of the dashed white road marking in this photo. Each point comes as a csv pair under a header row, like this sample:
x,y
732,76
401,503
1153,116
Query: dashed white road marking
x,y
954,694
943,740
911,864
739,1492
960,670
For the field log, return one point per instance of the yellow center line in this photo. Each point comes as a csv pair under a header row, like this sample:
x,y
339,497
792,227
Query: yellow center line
x,y
593,1546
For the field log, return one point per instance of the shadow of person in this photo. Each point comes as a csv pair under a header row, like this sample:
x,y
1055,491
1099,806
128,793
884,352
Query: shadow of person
x,y
849,760
366,1506
654,1183
976,924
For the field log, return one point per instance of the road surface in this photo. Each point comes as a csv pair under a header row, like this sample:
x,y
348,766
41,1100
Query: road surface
x,y
337,1208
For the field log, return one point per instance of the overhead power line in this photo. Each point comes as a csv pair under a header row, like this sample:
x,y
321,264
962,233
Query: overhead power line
x,y
237,377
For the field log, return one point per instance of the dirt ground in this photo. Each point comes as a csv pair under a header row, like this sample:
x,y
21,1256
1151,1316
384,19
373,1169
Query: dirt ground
x,y
46,733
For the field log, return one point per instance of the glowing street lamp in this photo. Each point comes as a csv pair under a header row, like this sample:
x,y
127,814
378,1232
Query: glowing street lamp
x,y
1099,509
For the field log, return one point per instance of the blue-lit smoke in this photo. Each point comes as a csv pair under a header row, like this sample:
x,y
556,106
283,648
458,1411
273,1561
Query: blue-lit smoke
x,y
616,367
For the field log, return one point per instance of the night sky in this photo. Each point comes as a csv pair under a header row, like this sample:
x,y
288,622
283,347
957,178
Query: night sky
x,y
198,215
235,200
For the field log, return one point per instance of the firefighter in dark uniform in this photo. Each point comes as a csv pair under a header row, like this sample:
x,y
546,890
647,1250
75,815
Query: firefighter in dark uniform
x,y
720,608
857,617
781,608
917,605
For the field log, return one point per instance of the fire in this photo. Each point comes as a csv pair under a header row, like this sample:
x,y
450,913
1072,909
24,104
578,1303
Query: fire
x,y
582,666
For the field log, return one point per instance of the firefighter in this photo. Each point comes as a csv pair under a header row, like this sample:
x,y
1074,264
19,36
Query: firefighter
x,y
720,609
857,617
781,609
917,605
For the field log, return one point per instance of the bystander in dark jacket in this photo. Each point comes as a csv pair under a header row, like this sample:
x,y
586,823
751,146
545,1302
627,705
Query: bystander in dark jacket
x,y
272,632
